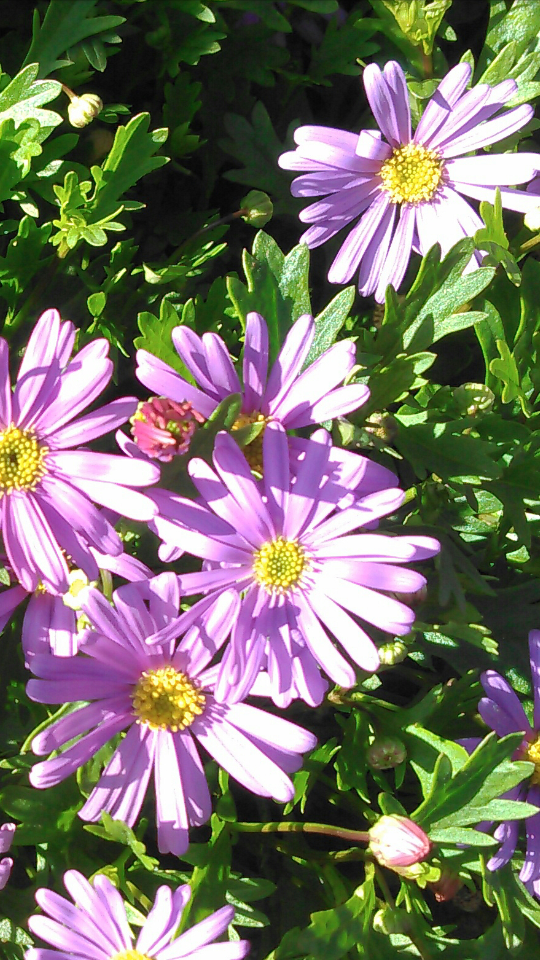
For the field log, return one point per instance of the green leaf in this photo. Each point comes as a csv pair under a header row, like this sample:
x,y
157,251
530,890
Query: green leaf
x,y
23,97
156,336
119,832
209,882
433,448
451,835
465,784
44,817
65,25
131,157
331,933
520,24
506,369
329,322
256,146
306,778
351,765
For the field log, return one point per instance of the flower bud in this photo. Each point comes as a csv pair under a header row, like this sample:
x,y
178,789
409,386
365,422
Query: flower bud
x,y
532,219
389,920
396,841
473,399
446,887
7,831
392,653
83,109
258,208
385,753
163,428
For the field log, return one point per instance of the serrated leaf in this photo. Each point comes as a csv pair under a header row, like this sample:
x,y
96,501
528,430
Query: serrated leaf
x,y
23,97
329,322
64,25
331,933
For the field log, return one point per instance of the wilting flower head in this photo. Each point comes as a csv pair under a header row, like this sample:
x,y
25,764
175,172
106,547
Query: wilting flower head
x,y
282,546
95,926
407,189
48,481
162,694
7,831
286,394
396,841
502,711
163,428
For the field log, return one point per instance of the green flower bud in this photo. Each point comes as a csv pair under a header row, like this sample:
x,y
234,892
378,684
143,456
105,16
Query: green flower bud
x,y
82,110
386,753
258,208
392,653
532,219
473,399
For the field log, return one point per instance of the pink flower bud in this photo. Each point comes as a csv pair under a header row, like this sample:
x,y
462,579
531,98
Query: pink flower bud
x,y
398,842
6,839
163,428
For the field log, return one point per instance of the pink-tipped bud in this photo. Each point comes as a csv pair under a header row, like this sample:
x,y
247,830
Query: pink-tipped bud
x,y
386,753
7,831
163,428
396,841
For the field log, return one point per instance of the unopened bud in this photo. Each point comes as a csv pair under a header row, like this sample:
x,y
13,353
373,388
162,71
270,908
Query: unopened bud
x,y
532,219
381,425
83,109
258,208
473,399
386,753
392,653
389,920
446,887
397,841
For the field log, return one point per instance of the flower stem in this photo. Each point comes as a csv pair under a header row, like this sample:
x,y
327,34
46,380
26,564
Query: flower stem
x,y
291,826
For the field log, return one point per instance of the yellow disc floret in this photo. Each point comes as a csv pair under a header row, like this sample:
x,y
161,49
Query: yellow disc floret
x,y
412,174
165,699
253,451
532,753
279,564
131,955
22,459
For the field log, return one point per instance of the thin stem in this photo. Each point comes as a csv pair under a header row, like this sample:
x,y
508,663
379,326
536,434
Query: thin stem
x,y
291,826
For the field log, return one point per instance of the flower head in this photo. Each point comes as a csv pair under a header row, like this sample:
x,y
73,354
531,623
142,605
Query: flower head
x,y
7,831
407,189
82,110
286,394
95,926
283,546
48,481
163,695
397,841
502,711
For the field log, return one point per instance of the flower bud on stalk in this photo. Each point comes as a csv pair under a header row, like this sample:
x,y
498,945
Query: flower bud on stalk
x,y
397,841
386,753
82,110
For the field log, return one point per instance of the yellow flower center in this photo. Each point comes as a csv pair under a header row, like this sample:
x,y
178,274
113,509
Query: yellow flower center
x,y
252,450
165,699
279,564
532,753
412,174
21,459
131,955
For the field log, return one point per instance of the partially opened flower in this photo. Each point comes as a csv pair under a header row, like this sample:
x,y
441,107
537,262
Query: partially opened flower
x,y
7,831
48,481
282,545
163,696
286,393
95,926
408,189
502,711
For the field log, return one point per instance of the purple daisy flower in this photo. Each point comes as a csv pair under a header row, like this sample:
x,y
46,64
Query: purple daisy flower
x,y
95,926
286,394
48,481
408,190
283,546
502,711
163,694
7,832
